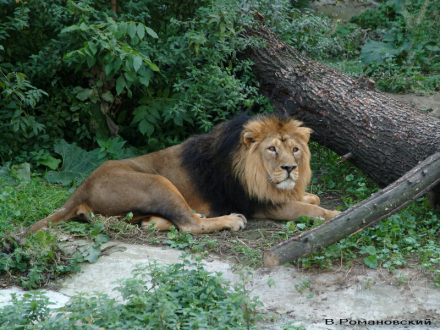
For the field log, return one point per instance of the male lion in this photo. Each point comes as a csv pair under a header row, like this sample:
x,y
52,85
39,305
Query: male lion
x,y
248,167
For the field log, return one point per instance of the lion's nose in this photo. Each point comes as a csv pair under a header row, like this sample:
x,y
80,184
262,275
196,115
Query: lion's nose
x,y
289,168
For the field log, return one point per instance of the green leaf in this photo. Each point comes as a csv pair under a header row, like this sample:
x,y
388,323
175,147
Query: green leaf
x,y
120,84
101,238
93,254
140,31
77,164
151,32
93,47
375,51
122,30
144,81
140,113
21,78
108,68
371,261
24,171
51,162
371,250
137,63
107,96
153,66
178,121
155,112
145,127
433,48
349,177
84,94
91,60
132,30
70,28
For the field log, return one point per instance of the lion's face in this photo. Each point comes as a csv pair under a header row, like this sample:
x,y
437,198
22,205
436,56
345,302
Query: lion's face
x,y
274,160
281,155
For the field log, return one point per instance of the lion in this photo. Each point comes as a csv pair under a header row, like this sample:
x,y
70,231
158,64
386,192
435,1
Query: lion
x,y
249,167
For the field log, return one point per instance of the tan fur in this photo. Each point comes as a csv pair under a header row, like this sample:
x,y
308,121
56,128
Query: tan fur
x,y
157,189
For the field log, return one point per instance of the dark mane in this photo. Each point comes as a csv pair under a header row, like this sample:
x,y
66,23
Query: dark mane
x,y
208,161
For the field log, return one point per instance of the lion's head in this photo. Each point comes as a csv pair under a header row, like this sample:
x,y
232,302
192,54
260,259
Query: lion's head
x,y
273,160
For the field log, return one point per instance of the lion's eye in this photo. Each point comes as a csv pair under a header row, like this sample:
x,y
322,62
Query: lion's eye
x,y
295,149
273,149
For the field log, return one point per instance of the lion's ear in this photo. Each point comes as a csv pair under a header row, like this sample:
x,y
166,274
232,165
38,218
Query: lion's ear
x,y
248,138
304,133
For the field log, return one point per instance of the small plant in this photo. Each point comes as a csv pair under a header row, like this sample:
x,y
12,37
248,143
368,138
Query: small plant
x,y
294,326
179,240
179,296
304,286
247,255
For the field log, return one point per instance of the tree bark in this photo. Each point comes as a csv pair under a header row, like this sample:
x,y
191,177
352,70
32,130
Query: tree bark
x,y
386,138
393,198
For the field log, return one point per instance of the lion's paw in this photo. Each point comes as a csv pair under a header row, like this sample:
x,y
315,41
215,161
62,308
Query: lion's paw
x,y
237,221
331,214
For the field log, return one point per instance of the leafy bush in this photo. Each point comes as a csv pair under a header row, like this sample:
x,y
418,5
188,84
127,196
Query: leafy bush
x,y
313,35
179,296
154,74
403,53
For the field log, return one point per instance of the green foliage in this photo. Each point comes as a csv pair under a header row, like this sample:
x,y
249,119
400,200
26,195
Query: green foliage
x,y
403,53
24,201
113,148
331,175
314,35
77,163
409,234
304,287
179,296
40,258
186,241
154,74
31,308
18,122
76,166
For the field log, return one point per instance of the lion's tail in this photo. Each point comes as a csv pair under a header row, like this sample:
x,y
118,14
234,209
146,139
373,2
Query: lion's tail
x,y
72,208
69,210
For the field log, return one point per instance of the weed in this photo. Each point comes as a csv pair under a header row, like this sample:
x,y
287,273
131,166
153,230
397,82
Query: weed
x,y
369,283
178,296
294,326
305,284
247,255
179,240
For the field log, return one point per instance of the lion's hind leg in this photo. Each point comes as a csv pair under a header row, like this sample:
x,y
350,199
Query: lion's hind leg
x,y
153,198
157,223
199,224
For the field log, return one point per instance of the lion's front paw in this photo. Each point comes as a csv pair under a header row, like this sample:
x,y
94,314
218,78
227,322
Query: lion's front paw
x,y
236,222
331,214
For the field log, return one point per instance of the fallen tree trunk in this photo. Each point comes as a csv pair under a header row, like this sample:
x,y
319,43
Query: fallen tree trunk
x,y
385,137
379,206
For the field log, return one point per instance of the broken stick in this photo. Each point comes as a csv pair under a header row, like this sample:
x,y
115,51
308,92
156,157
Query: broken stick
x,y
414,184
